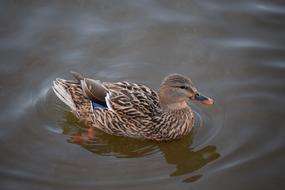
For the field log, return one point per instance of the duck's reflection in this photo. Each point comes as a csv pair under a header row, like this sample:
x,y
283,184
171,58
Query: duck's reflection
x,y
178,153
186,159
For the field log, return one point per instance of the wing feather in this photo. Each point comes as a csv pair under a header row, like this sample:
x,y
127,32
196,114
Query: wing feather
x,y
132,100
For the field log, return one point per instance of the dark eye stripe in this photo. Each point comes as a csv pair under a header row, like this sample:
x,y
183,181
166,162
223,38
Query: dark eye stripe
x,y
183,87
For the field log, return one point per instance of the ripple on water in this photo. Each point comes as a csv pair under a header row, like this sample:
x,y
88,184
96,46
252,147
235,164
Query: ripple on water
x,y
207,124
50,110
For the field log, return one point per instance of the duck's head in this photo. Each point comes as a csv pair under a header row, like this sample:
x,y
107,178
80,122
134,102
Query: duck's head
x,y
176,90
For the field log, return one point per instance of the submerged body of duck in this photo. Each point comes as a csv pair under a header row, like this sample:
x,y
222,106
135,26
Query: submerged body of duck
x,y
131,109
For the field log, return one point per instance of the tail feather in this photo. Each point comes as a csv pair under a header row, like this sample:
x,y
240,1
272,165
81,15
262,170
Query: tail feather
x,y
63,94
71,93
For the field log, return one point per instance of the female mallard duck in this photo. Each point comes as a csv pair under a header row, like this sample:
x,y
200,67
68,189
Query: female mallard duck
x,y
131,109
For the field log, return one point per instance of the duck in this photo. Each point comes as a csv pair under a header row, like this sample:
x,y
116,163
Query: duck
x,y
132,109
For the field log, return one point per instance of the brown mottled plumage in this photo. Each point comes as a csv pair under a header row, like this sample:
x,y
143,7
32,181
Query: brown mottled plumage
x,y
130,109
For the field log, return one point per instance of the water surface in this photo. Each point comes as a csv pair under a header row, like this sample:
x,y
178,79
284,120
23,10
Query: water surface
x,y
233,50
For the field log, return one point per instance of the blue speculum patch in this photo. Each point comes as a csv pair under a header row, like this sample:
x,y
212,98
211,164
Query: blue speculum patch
x,y
98,105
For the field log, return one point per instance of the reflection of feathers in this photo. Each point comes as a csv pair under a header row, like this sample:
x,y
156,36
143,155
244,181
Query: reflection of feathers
x,y
122,108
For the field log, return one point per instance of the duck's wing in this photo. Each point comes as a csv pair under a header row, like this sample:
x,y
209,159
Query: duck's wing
x,y
131,99
92,89
125,98
117,108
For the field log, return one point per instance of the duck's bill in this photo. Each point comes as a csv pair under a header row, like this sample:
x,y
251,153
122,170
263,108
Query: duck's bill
x,y
204,99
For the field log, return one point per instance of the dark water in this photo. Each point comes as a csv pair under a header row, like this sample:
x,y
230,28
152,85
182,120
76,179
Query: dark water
x,y
234,51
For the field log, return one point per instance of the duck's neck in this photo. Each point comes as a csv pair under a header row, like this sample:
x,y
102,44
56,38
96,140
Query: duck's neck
x,y
174,106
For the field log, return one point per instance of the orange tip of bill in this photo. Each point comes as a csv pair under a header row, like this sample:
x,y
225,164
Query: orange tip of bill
x,y
208,101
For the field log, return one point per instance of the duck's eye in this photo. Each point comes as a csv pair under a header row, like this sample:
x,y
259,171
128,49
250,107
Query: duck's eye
x,y
183,87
